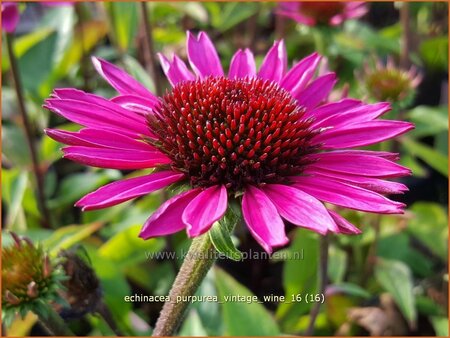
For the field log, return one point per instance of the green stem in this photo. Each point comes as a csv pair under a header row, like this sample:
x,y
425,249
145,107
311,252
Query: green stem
x,y
28,131
54,324
323,269
196,265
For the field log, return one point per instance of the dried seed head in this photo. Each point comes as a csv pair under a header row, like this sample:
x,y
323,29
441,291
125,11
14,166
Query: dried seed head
x,y
232,132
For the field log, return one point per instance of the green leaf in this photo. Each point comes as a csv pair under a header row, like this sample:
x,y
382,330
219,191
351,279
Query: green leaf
x,y
242,318
350,289
429,226
230,14
86,36
24,43
428,120
14,146
37,63
127,248
75,186
67,236
397,246
300,275
395,277
138,72
337,264
440,325
124,20
18,186
192,325
434,52
220,234
433,158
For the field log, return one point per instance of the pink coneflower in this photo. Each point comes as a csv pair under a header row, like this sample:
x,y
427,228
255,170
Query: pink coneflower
x,y
317,12
10,16
389,82
262,137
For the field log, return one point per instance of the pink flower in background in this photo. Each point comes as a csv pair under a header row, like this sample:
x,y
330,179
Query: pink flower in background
x,y
265,137
10,16
317,12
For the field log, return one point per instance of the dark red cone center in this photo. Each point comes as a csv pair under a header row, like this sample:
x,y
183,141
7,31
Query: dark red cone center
x,y
233,132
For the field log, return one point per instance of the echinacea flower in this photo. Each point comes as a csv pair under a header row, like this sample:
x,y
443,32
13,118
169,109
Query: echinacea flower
x,y
331,13
389,82
262,137
30,279
10,16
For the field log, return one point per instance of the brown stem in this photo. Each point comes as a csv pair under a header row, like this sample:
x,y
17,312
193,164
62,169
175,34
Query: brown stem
x,y
84,64
28,132
280,25
323,269
149,50
197,262
406,35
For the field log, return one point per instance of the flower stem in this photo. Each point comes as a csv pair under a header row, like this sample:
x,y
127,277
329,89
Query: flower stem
x,y
323,268
54,324
28,131
149,54
197,262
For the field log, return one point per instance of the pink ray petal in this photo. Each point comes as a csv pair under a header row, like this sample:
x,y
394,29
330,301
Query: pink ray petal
x,y
362,134
344,226
329,109
167,219
369,183
352,162
124,190
98,138
345,195
242,64
137,104
203,56
97,117
115,158
317,91
274,64
300,75
176,71
120,80
98,101
358,114
206,208
300,208
263,220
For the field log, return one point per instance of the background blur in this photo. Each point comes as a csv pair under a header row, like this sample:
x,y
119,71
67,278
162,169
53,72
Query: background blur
x,y
390,280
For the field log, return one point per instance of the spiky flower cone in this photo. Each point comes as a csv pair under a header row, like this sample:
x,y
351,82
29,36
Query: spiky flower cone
x,y
390,83
30,281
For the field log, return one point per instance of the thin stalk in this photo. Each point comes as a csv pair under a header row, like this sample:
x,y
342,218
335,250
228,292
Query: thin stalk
x,y
323,268
406,35
197,262
148,47
84,64
54,324
103,311
28,132
280,27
